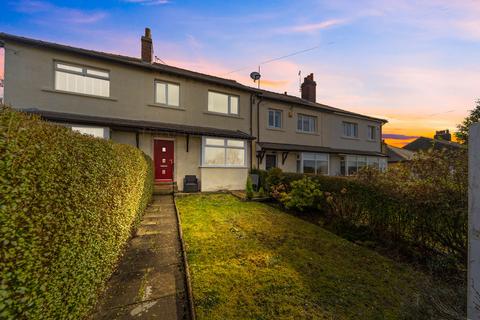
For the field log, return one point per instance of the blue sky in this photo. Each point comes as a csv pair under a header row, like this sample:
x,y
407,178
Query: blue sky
x,y
416,63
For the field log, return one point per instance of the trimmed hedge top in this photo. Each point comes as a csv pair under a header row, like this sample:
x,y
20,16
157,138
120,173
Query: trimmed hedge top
x,y
68,204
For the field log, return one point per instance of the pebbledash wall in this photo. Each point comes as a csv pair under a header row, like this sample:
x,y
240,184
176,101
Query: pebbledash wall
x,y
189,163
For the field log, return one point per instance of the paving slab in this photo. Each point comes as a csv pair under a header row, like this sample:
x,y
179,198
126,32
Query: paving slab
x,y
149,282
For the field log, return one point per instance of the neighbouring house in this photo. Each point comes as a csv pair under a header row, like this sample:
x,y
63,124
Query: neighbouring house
x,y
441,140
188,122
397,155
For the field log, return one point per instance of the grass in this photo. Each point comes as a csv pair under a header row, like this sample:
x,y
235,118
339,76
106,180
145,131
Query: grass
x,y
251,261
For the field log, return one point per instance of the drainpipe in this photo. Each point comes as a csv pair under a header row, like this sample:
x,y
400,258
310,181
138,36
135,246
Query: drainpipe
x,y
260,99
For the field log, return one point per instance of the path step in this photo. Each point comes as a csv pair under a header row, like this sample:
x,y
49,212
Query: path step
x,y
149,282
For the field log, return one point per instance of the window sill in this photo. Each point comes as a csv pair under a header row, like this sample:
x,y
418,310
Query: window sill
x,y
158,105
223,114
275,129
79,94
370,140
309,133
350,138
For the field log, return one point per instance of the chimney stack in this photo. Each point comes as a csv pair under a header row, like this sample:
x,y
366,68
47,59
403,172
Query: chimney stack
x,y
309,88
443,135
147,46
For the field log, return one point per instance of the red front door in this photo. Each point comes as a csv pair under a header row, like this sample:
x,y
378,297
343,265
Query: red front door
x,y
163,158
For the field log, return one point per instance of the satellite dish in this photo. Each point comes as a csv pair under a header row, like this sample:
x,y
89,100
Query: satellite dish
x,y
255,75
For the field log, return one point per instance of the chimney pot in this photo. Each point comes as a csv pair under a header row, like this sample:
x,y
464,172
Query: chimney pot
x,y
309,88
147,46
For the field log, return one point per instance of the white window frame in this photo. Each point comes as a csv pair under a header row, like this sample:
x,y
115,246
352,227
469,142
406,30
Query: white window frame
x,y
381,163
372,129
302,158
225,146
84,73
167,84
302,129
353,125
274,111
229,107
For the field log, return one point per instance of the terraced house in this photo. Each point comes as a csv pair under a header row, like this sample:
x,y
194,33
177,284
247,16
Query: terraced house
x,y
189,123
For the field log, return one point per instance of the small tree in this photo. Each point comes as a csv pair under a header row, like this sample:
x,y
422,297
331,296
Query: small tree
x,y
462,129
249,188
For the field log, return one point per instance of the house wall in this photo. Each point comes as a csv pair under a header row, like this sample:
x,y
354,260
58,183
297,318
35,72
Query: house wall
x,y
29,83
214,179
329,131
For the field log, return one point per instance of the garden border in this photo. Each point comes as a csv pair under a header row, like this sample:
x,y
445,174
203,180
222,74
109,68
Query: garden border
x,y
188,283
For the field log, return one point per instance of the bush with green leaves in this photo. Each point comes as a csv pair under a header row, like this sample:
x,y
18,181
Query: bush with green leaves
x,y
67,207
305,194
420,205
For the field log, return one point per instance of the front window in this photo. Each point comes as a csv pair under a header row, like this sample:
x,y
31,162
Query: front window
x,y
167,93
372,133
349,165
274,118
350,130
81,79
306,123
222,103
220,152
314,163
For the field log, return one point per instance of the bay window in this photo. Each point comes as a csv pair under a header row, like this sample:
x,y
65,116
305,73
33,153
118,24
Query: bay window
x,y
349,165
314,163
82,79
220,152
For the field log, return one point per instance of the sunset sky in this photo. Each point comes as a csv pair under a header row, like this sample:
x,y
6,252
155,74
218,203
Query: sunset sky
x,y
414,63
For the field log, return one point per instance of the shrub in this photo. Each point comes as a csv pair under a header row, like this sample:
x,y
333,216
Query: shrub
x,y
420,206
305,194
68,205
249,188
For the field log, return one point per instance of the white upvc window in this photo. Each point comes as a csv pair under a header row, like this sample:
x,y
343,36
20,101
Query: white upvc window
x,y
306,123
350,129
99,132
82,79
274,118
222,103
221,152
349,165
372,133
167,93
314,163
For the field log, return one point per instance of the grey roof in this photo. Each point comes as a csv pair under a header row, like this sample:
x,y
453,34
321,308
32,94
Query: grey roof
x,y
303,148
424,143
181,72
138,125
398,154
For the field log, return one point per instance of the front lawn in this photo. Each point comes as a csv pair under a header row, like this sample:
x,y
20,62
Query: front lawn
x,y
251,261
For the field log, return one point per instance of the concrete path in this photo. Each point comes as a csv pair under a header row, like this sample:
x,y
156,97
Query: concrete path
x,y
149,282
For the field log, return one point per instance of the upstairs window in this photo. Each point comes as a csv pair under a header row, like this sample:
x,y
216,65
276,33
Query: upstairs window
x,y
220,152
81,79
222,103
274,119
372,133
306,123
167,93
350,129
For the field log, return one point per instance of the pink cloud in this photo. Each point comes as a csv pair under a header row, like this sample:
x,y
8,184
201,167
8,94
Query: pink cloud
x,y
311,27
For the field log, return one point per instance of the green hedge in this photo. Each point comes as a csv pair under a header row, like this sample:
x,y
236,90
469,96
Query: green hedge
x,y
420,206
68,205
